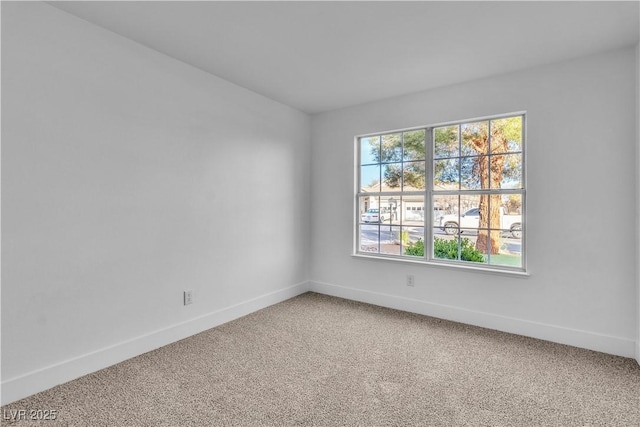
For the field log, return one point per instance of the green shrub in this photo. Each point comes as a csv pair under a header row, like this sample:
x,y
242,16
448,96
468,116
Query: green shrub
x,y
415,249
448,249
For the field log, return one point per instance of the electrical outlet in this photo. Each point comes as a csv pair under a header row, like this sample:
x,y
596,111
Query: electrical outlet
x,y
410,280
188,297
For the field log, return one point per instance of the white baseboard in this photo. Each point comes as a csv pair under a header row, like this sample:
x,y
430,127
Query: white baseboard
x,y
578,338
42,379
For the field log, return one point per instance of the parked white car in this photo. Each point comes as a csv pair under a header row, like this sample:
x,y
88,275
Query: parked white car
x,y
471,219
374,215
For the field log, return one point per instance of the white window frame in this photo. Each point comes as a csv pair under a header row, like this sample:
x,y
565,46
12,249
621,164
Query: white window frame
x,y
428,194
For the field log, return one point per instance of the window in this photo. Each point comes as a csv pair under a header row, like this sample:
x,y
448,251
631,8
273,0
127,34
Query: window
x,y
451,194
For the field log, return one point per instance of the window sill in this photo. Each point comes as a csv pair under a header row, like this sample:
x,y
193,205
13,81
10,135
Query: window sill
x,y
450,266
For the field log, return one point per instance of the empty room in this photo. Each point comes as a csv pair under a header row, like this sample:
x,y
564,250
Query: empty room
x,y
320,213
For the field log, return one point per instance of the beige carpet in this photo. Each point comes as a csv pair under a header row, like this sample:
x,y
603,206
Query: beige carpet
x,y
316,360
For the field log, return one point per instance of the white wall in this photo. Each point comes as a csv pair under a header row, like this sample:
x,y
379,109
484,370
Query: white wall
x,y
581,118
128,177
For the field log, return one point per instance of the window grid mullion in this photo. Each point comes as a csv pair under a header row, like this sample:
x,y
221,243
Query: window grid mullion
x,y
429,145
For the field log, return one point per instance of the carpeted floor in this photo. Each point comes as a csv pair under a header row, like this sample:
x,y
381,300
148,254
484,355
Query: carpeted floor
x,y
317,360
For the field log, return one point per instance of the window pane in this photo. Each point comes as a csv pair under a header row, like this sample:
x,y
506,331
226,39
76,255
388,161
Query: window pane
x,y
443,208
445,247
474,173
509,252
469,210
470,218
369,238
412,241
446,174
371,211
370,178
369,232
391,177
509,168
445,142
507,259
414,145
413,176
364,204
512,204
475,138
369,150
391,148
446,211
506,135
390,240
389,209
412,210
469,250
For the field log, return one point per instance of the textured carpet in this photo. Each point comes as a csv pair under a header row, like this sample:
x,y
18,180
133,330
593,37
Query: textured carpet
x,y
317,360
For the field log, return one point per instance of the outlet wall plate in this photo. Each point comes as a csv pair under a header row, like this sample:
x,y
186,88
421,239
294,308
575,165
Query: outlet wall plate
x,y
188,297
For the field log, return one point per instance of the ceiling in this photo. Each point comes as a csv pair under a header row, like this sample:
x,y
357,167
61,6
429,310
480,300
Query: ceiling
x,y
320,56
